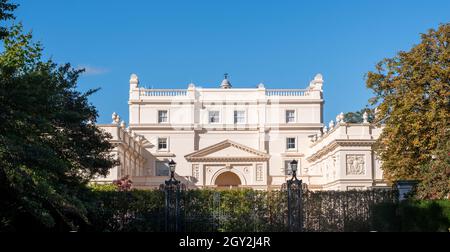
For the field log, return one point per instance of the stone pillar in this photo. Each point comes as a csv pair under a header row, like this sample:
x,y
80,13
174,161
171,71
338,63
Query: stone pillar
x,y
121,162
133,165
124,164
129,164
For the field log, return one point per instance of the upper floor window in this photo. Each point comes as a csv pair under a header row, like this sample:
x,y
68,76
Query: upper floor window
x,y
162,144
163,116
290,116
239,117
214,117
291,143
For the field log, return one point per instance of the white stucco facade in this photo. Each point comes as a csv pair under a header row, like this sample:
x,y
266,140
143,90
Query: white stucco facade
x,y
241,137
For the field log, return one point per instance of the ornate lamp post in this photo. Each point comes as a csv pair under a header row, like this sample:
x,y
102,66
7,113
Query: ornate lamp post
x,y
294,166
294,190
172,189
172,180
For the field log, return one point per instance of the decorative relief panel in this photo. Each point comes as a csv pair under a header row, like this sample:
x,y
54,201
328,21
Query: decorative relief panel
x,y
196,171
356,165
259,172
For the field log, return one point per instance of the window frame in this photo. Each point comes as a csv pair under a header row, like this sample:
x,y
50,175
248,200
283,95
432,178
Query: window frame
x,y
295,144
235,117
159,116
167,144
294,117
209,116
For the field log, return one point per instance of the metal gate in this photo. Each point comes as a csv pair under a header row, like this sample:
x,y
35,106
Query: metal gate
x,y
293,208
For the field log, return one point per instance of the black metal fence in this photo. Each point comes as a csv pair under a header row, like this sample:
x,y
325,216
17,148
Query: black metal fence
x,y
290,209
340,211
176,209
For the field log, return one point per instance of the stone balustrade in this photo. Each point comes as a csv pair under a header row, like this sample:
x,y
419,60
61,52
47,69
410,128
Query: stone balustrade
x,y
184,92
287,92
163,92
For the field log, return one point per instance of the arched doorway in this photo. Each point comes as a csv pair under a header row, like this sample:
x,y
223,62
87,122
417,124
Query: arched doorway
x,y
228,179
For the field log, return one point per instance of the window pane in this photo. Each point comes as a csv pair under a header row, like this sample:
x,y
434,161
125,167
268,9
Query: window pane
x,y
239,116
290,116
162,168
290,143
162,116
162,143
213,116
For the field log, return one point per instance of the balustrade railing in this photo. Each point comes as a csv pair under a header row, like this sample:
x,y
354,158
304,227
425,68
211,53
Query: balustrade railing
x,y
182,92
163,92
287,92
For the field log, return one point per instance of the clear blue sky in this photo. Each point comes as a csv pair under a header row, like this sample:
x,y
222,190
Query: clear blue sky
x,y
281,43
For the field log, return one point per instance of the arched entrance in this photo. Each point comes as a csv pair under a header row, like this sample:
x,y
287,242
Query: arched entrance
x,y
228,179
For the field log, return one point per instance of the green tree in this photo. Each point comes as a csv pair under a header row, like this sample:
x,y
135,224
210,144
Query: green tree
x,y
50,147
436,185
358,116
6,13
412,93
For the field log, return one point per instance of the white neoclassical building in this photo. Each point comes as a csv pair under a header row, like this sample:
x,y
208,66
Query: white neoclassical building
x,y
241,137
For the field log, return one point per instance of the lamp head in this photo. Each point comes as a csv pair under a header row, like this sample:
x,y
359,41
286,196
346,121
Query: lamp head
x,y
172,165
294,164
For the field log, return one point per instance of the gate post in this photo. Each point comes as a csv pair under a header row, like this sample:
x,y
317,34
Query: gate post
x,y
172,192
295,204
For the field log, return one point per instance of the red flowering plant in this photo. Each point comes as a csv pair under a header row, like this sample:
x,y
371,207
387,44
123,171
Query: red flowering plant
x,y
123,184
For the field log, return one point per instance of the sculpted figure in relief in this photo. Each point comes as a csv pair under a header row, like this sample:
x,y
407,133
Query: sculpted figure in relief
x,y
355,165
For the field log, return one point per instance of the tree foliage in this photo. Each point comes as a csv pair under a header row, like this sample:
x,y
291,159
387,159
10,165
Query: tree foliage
x,y
6,13
436,185
358,116
50,147
412,93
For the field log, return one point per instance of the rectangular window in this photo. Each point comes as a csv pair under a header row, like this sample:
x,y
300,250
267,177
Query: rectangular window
x,y
239,117
162,143
290,116
163,116
287,168
290,143
214,116
162,168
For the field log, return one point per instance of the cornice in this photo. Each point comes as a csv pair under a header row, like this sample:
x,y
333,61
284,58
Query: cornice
x,y
163,154
190,101
338,143
350,181
295,154
294,101
227,127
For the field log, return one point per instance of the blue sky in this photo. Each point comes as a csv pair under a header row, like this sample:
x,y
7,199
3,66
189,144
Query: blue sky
x,y
281,43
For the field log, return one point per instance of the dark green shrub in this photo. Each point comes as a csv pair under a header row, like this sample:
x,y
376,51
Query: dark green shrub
x,y
413,216
248,210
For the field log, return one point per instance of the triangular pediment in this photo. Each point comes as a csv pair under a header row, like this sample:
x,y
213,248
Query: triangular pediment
x,y
227,151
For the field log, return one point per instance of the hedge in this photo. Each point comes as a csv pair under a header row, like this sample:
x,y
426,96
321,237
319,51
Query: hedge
x,y
263,211
413,216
